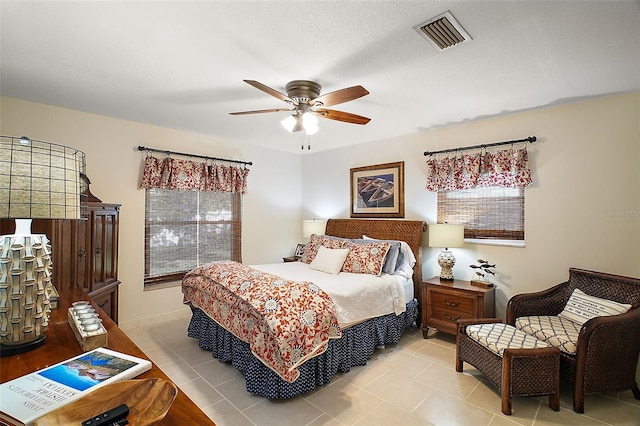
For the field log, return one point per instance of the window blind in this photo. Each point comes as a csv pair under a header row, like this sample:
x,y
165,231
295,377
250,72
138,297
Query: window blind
x,y
184,229
486,213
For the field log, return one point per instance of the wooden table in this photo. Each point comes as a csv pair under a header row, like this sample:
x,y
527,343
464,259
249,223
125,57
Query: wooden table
x,y
61,344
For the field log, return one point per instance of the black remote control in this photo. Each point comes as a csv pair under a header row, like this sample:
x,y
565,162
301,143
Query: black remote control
x,y
108,417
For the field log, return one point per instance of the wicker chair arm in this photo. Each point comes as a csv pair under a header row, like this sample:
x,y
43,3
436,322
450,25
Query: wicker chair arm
x,y
550,301
615,334
607,353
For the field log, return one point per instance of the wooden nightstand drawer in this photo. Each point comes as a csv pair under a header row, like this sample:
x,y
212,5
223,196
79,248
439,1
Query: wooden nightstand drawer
x,y
448,315
451,301
445,302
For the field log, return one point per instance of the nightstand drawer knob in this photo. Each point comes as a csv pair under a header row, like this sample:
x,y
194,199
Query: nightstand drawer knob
x,y
452,304
450,318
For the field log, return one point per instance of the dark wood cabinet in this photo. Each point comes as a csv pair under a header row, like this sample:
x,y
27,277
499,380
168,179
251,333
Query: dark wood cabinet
x,y
98,256
84,252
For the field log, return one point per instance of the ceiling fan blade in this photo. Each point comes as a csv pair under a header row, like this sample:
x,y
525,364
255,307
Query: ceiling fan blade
x,y
268,90
340,96
260,111
346,117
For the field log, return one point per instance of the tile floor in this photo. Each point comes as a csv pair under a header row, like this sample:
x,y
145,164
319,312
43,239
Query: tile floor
x,y
411,383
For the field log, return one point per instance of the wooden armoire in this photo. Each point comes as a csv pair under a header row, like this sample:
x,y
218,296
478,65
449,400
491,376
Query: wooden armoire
x,y
84,252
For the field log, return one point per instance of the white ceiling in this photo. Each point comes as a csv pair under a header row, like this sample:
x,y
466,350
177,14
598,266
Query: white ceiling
x,y
180,64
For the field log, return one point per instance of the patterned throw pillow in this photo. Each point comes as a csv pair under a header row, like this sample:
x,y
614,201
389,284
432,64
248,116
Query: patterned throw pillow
x,y
581,307
394,257
315,241
366,258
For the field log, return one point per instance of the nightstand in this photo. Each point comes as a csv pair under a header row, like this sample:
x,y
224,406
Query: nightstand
x,y
290,258
445,302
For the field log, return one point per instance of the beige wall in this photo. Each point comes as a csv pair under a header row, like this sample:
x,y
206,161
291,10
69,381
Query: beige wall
x,y
583,209
271,208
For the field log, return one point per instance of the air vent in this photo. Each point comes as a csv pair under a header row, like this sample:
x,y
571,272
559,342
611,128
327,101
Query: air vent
x,y
443,31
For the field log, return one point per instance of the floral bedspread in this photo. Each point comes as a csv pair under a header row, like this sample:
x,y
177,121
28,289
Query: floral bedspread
x,y
285,322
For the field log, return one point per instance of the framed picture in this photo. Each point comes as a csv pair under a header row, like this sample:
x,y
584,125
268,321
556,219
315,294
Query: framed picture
x,y
299,250
378,191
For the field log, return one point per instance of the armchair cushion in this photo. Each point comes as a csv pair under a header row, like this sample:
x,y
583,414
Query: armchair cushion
x,y
498,336
555,330
581,307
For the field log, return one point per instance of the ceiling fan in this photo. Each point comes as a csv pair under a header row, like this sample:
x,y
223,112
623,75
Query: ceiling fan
x,y
306,104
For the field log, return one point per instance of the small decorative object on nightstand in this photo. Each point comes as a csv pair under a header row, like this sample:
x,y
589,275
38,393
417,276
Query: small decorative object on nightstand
x,y
481,274
445,302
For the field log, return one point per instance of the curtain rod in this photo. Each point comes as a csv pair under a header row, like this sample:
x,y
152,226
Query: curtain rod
x,y
144,148
530,139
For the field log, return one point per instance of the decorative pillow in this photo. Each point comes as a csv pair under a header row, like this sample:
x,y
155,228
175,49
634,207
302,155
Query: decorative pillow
x,y
391,261
366,258
329,260
581,307
315,241
405,268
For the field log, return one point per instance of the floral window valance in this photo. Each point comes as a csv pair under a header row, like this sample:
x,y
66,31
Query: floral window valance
x,y
171,173
507,168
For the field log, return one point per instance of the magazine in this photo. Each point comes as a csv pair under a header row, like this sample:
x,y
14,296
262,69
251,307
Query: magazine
x,y
27,398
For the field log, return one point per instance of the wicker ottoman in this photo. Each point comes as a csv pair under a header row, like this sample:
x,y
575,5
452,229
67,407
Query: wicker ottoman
x,y
516,363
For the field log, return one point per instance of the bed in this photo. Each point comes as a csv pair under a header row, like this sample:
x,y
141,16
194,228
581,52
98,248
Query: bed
x,y
344,337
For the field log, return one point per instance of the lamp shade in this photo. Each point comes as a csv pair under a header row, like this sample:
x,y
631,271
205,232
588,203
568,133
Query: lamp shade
x,y
446,235
289,123
313,226
39,180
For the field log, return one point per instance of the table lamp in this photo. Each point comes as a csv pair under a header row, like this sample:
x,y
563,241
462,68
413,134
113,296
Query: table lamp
x,y
313,226
446,235
38,180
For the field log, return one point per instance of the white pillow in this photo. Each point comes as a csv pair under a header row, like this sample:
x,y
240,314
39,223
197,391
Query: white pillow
x,y
329,260
406,269
581,307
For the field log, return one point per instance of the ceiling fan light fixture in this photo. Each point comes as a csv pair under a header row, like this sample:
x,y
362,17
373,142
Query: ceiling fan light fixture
x,y
311,130
310,123
289,123
309,120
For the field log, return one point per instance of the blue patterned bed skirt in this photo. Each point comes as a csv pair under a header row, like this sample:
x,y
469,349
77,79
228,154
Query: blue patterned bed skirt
x,y
355,347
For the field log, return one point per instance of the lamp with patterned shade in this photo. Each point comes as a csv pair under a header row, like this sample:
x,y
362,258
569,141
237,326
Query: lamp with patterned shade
x,y
38,180
446,235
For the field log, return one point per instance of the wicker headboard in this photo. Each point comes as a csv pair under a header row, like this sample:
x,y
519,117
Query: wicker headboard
x,y
409,231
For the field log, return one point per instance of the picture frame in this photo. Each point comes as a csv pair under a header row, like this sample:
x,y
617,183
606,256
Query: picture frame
x,y
299,250
378,191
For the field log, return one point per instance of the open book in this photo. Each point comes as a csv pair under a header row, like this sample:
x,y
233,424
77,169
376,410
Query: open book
x,y
27,398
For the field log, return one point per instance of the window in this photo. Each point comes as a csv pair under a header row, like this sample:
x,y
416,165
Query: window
x,y
184,229
486,213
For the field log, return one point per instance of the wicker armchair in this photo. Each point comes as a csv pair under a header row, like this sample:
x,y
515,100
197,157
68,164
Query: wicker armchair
x,y
608,347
